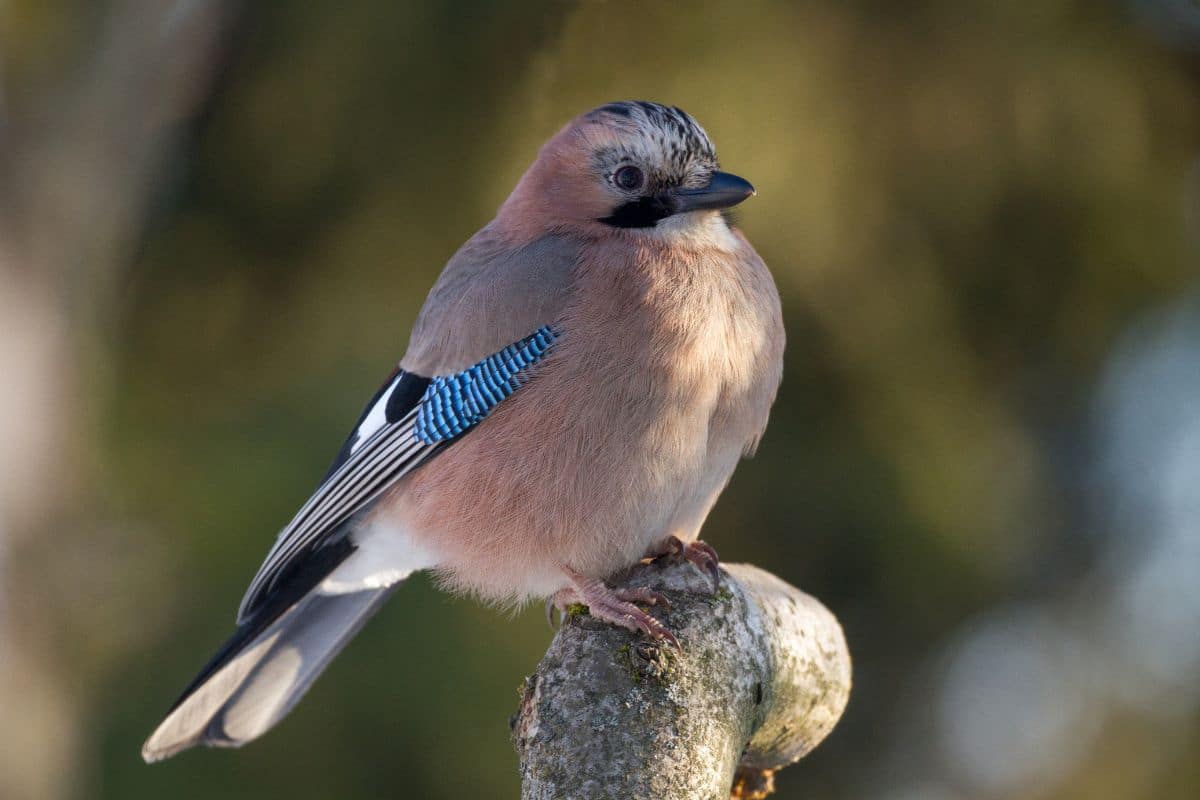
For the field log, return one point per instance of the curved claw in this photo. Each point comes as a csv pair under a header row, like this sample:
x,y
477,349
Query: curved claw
x,y
714,572
709,565
700,553
706,548
705,557
659,631
638,620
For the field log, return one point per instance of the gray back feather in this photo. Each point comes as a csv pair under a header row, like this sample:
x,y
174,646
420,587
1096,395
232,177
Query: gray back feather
x,y
490,294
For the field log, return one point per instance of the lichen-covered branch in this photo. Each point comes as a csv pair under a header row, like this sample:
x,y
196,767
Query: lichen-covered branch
x,y
763,678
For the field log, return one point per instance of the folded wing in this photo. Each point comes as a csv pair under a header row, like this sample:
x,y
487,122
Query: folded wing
x,y
408,422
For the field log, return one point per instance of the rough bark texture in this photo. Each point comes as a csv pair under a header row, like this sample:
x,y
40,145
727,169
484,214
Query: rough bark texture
x,y
764,677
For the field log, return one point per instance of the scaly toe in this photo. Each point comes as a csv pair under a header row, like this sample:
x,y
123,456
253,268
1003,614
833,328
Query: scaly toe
x,y
629,616
642,594
616,606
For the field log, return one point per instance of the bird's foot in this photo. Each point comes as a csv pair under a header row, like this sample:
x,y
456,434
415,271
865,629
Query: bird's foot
x,y
700,553
614,606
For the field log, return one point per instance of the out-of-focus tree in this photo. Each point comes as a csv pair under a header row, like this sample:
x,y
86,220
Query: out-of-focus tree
x,y
89,114
966,206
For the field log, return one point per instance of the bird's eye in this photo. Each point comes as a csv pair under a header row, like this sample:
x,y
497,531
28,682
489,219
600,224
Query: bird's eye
x,y
628,178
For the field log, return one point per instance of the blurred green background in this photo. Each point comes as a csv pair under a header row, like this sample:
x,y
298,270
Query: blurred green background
x,y
218,220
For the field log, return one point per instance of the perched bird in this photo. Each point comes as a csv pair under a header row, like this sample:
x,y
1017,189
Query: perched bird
x,y
579,385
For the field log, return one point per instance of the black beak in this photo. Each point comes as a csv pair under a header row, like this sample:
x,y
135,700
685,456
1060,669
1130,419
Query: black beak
x,y
723,191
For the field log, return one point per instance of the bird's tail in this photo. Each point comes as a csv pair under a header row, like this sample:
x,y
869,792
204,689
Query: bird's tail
x,y
262,671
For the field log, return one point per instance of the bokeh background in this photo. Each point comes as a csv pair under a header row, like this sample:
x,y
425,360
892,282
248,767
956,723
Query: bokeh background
x,y
218,220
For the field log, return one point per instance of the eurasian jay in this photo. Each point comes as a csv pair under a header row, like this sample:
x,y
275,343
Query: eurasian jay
x,y
578,388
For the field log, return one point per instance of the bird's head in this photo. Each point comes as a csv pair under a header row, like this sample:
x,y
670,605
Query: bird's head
x,y
632,166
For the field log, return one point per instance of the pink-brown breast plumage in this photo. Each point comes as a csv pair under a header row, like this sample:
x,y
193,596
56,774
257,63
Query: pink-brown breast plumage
x,y
667,364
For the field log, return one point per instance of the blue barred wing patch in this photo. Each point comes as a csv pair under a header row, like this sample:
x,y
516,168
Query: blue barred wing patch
x,y
454,403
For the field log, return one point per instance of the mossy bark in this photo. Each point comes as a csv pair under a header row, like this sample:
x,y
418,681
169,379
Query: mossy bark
x,y
763,677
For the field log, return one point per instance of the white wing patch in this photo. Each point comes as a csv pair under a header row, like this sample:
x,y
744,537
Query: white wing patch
x,y
376,417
